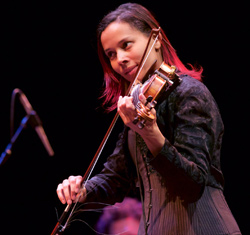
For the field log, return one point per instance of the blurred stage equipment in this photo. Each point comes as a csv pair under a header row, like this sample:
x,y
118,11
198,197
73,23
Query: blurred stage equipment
x,y
32,118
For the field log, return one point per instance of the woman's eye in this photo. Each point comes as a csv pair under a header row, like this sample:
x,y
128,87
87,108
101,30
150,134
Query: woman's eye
x,y
126,45
111,54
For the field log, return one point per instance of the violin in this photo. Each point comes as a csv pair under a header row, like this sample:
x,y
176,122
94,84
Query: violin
x,y
163,80
159,83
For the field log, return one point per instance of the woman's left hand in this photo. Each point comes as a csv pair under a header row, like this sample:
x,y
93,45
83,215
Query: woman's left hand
x,y
151,133
128,113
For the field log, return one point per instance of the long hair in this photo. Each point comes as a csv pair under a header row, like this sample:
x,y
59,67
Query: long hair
x,y
140,18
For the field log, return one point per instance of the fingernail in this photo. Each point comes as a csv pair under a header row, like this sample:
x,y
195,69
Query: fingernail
x,y
69,202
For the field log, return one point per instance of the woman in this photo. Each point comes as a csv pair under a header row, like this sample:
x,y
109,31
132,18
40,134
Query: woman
x,y
177,155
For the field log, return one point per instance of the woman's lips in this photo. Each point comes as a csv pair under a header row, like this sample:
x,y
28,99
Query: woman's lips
x,y
130,71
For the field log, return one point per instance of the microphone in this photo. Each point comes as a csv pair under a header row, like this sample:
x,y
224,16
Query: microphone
x,y
35,122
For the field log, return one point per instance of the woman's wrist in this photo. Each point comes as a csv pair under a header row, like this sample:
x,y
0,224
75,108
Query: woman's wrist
x,y
153,138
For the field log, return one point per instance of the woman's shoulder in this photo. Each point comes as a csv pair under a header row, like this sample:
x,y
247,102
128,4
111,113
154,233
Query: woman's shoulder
x,y
189,82
190,86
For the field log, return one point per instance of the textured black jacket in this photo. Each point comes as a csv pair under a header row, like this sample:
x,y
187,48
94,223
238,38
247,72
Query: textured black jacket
x,y
190,120
183,184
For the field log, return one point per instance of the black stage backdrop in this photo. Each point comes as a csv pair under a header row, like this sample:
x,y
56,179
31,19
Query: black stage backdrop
x,y
49,51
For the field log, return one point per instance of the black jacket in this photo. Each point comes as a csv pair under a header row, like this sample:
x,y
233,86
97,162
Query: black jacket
x,y
190,120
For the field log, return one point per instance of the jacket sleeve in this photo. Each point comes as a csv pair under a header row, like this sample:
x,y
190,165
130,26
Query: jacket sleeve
x,y
185,162
116,179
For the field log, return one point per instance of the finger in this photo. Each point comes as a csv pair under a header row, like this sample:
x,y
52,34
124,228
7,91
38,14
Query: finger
x,y
83,194
119,99
142,98
60,194
66,191
72,183
127,106
129,101
78,183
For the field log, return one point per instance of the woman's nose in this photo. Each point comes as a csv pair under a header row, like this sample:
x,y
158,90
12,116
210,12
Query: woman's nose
x,y
122,57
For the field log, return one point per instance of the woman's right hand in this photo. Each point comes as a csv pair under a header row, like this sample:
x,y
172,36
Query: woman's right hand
x,y
69,190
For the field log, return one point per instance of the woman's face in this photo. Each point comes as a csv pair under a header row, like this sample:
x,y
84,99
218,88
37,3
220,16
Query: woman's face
x,y
124,46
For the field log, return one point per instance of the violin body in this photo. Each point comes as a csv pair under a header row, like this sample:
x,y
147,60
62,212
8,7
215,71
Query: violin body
x,y
161,81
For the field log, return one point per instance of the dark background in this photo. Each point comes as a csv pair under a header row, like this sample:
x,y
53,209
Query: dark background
x,y
48,50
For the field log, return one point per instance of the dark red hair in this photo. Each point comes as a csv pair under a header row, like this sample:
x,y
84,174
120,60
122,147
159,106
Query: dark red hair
x,y
141,19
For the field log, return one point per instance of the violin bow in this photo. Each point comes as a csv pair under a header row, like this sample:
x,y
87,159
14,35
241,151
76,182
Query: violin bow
x,y
58,229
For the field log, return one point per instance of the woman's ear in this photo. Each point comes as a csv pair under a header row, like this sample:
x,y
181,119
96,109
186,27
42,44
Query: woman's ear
x,y
158,42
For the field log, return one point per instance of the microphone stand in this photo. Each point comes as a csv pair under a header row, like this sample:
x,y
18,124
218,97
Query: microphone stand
x,y
7,152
